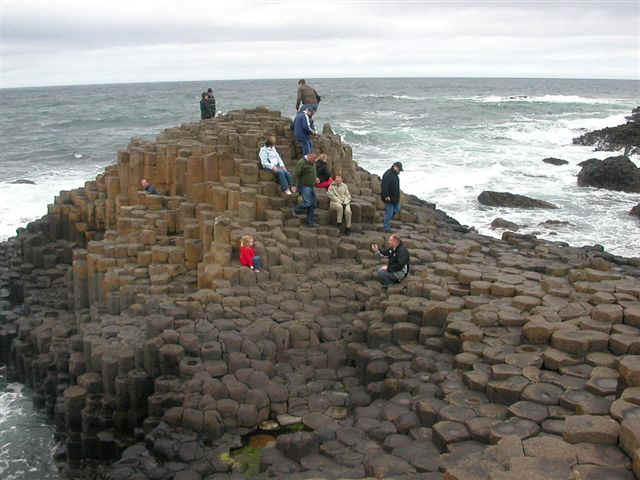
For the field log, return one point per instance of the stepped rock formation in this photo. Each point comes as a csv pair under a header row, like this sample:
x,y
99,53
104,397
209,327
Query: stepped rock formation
x,y
154,350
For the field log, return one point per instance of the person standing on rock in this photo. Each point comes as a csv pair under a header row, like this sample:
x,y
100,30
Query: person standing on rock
x,y
305,178
397,267
307,96
148,187
211,103
270,160
390,193
340,201
303,130
204,107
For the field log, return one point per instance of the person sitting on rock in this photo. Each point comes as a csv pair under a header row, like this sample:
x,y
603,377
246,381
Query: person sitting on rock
x,y
303,130
205,112
324,174
270,160
248,256
305,178
340,201
148,187
397,267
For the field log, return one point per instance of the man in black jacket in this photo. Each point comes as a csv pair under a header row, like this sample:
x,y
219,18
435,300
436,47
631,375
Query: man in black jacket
x,y
390,193
397,267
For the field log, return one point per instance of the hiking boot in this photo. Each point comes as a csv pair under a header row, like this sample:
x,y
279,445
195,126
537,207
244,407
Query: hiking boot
x,y
340,229
312,225
347,231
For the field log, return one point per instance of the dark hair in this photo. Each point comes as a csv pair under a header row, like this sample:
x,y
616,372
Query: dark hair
x,y
301,81
209,90
204,94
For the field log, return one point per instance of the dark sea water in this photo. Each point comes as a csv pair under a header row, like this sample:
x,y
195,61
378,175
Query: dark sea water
x,y
456,137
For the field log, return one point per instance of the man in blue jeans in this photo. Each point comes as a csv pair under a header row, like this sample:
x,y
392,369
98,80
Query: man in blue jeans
x,y
390,193
303,130
305,178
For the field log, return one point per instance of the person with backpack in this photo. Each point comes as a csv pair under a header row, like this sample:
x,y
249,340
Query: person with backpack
x,y
307,97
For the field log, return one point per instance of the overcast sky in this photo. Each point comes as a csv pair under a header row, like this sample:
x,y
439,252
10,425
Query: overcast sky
x,y
60,42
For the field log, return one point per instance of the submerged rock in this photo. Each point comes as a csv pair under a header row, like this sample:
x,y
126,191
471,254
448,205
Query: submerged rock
x,y
613,173
513,200
506,224
554,161
23,181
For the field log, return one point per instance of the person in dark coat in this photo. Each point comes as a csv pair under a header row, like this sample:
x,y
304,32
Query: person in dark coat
x,y
398,265
204,107
211,102
390,193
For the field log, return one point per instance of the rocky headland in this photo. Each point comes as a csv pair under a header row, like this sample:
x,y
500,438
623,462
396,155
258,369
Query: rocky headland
x,y
625,137
159,355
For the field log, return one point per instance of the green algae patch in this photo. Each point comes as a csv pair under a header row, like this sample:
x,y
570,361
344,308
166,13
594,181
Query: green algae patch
x,y
247,460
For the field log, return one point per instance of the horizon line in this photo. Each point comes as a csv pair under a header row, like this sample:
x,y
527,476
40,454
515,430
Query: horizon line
x,y
625,79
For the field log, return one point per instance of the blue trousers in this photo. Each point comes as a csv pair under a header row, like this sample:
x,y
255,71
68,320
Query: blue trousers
x,y
390,211
305,144
257,262
283,178
308,204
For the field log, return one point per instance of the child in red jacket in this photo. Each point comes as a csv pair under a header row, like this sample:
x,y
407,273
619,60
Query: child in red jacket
x,y
248,255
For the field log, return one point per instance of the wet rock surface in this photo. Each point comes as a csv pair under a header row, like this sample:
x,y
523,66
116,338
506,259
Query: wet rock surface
x,y
512,200
612,173
155,352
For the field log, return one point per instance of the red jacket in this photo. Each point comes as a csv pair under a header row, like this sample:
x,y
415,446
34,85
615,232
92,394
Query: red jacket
x,y
246,256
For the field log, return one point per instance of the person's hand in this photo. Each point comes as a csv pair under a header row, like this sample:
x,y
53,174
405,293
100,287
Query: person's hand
x,y
274,169
294,189
384,267
317,180
375,248
387,199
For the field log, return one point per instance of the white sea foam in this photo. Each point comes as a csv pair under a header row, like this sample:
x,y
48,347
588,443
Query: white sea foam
x,y
541,99
23,203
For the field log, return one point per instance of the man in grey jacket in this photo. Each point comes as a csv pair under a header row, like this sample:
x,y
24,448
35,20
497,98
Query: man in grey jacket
x,y
307,96
340,201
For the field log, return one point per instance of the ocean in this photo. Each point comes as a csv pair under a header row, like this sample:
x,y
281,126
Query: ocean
x,y
455,137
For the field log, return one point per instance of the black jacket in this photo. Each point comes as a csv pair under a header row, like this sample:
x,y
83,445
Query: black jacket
x,y
211,105
204,109
322,170
398,258
390,186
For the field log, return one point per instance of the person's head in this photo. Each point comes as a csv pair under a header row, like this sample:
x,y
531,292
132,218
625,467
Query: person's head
x,y
144,182
311,157
270,141
323,157
246,241
337,179
309,111
393,240
301,81
204,95
397,166
209,91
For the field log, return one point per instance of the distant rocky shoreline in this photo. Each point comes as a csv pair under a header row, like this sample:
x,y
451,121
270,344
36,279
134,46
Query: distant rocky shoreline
x,y
157,354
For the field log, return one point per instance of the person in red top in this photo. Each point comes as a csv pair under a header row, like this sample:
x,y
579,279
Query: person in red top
x,y
248,256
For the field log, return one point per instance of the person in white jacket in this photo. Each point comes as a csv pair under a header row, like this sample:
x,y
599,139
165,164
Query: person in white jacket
x,y
340,201
270,160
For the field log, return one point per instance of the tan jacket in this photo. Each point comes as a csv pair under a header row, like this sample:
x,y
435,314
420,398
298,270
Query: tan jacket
x,y
306,95
339,193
